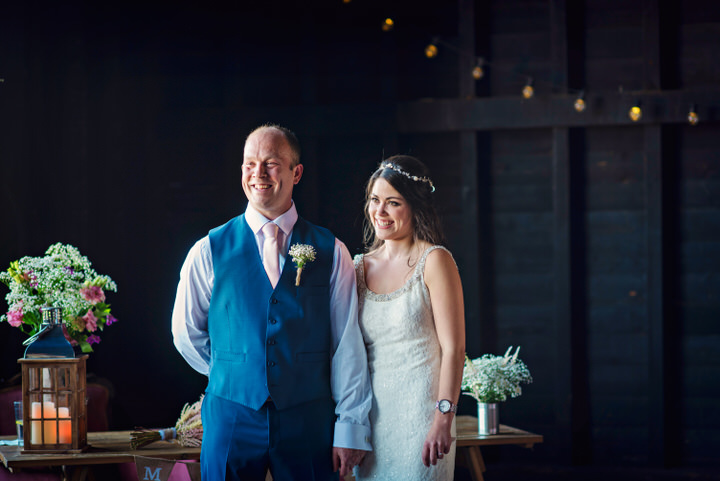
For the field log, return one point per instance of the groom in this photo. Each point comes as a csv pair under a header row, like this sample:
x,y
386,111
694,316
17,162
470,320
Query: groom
x,y
288,386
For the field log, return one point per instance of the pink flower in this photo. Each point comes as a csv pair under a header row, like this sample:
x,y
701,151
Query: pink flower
x,y
110,320
90,321
15,318
93,294
93,339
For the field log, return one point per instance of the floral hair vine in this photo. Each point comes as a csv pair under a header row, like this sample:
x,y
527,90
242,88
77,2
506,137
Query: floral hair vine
x,y
388,165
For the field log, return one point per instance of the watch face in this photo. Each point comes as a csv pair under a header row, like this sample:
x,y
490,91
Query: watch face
x,y
444,406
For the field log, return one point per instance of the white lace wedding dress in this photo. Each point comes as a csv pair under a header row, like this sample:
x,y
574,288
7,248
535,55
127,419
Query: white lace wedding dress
x,y
404,360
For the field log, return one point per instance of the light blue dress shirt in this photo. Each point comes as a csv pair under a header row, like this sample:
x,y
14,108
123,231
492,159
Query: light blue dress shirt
x,y
349,376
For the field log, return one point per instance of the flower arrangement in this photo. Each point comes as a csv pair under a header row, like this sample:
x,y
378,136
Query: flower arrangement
x,y
188,429
62,278
491,379
302,254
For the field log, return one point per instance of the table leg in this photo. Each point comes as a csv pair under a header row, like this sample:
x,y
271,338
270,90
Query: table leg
x,y
76,473
475,462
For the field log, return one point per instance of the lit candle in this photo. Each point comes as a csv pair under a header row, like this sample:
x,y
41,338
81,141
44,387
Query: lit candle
x,y
36,426
50,422
64,425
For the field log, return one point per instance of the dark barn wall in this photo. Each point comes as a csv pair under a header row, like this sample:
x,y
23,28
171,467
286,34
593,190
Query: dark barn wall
x,y
591,241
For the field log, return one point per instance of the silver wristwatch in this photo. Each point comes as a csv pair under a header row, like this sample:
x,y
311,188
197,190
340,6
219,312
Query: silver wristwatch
x,y
445,406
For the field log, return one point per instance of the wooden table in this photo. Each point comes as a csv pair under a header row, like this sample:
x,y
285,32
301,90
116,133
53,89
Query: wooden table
x,y
469,441
111,447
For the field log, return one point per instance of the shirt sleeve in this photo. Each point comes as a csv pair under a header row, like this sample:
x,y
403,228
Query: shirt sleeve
x,y
350,379
192,303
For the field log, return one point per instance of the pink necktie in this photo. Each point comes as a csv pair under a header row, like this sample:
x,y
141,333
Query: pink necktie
x,y
270,253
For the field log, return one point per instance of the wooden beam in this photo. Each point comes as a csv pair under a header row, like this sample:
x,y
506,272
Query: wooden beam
x,y
469,165
564,400
563,288
654,241
655,293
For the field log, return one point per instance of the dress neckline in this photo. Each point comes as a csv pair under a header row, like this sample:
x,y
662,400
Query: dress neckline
x,y
417,275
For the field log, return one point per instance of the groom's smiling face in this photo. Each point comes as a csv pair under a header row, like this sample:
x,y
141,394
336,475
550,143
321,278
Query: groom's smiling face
x,y
268,173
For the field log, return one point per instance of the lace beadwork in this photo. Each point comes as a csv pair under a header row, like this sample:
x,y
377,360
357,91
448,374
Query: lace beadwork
x,y
418,274
404,359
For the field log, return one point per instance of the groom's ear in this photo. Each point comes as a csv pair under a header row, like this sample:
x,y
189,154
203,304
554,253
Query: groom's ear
x,y
297,173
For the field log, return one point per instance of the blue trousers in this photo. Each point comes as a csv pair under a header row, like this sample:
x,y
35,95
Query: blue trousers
x,y
241,444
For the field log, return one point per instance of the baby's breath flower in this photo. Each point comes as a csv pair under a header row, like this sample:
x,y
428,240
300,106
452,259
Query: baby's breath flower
x,y
302,254
62,278
491,379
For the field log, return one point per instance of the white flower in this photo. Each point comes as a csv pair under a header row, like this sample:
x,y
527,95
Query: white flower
x,y
62,278
491,379
302,254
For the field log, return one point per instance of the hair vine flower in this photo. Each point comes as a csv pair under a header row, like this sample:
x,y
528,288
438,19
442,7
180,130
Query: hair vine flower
x,y
388,165
302,254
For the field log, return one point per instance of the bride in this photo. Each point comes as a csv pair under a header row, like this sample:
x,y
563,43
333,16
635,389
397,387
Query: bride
x,y
412,320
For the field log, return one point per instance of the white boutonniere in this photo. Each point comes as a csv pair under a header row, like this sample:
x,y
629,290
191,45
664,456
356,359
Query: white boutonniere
x,y
302,254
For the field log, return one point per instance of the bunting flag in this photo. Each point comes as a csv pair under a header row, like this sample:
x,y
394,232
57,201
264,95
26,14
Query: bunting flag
x,y
193,470
153,469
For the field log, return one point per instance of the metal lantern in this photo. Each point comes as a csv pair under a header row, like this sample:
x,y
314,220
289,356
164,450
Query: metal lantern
x,y
54,391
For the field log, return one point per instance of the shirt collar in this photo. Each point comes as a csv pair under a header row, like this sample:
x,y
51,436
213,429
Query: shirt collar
x,y
285,222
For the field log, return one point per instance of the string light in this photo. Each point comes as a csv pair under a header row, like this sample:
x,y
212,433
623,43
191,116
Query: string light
x,y
388,25
477,71
635,112
528,91
579,104
692,116
431,50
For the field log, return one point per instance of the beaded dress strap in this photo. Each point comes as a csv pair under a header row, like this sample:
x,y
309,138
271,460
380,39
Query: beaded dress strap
x,y
417,276
420,268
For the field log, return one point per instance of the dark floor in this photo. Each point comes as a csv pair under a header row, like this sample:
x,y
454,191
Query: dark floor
x,y
509,472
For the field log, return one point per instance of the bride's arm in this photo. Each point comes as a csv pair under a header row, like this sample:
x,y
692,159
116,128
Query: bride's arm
x,y
443,282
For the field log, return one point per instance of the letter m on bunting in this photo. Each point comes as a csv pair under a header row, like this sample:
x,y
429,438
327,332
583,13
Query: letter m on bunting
x,y
153,469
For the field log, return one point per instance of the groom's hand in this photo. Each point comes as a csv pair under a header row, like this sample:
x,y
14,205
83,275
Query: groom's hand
x,y
346,459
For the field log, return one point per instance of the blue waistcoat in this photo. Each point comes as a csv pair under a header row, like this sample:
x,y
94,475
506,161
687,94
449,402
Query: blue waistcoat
x,y
266,342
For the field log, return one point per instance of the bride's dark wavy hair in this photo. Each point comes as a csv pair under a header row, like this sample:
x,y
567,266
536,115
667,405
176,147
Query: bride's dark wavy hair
x,y
417,193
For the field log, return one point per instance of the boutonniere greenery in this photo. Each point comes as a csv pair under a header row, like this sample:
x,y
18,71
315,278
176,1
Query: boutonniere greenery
x,y
302,254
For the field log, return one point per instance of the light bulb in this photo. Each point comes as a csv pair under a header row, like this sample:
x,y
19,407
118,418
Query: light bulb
x,y
431,51
692,117
635,113
388,25
477,72
528,91
580,104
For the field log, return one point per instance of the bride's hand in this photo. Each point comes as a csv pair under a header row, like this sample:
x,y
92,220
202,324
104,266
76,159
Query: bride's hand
x,y
438,441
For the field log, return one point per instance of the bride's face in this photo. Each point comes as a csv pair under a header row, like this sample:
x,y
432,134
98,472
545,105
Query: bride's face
x,y
390,212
